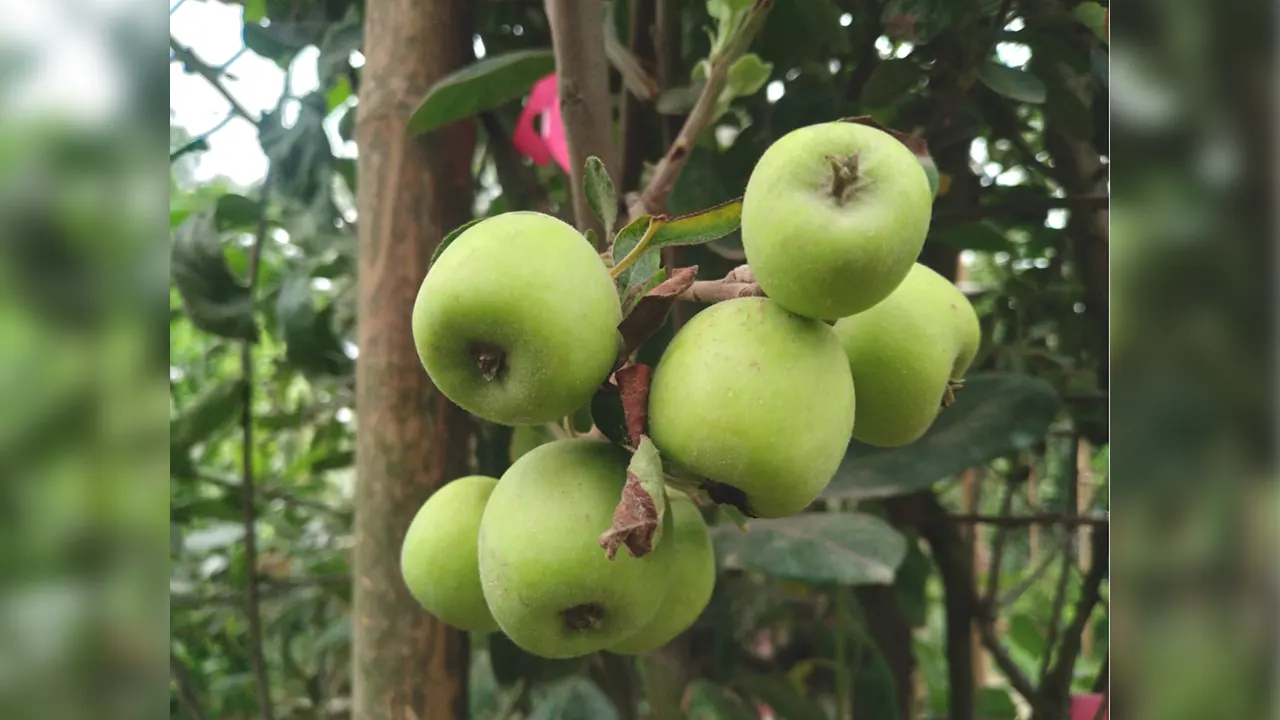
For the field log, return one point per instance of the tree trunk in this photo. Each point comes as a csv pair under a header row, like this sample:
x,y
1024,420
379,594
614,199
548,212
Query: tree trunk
x,y
410,439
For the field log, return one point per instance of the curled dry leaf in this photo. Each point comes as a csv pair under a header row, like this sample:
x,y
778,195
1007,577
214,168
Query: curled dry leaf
x,y
651,311
633,384
914,143
637,520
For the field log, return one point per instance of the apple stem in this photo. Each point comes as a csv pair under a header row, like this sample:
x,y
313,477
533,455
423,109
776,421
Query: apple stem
x,y
949,394
844,177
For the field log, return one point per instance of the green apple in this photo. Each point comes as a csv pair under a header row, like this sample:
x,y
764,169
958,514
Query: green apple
x,y
907,355
758,400
833,217
693,579
545,577
438,558
516,322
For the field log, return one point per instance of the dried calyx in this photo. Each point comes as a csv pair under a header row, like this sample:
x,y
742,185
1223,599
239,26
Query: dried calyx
x,y
588,616
844,184
489,359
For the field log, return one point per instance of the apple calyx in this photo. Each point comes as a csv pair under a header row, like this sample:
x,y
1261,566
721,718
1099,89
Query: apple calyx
x,y
587,616
954,386
490,360
844,177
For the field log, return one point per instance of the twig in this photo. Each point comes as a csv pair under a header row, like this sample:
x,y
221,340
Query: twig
x,y
654,196
997,543
186,691
1057,684
247,501
1060,592
194,64
1033,519
577,38
203,137
274,494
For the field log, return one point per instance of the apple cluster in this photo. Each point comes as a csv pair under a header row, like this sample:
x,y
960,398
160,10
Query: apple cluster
x,y
756,397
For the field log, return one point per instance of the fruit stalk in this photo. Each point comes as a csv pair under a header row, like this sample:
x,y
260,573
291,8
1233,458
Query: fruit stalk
x,y
664,177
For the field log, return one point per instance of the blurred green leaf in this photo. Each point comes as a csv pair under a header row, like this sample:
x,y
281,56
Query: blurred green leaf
x,y
1012,83
340,40
817,548
917,21
1065,110
310,342
995,414
911,582
747,75
215,300
448,240
511,664
678,100
708,701
1026,635
236,211
981,236
213,537
483,85
574,698
994,704
215,407
891,81
787,701
601,195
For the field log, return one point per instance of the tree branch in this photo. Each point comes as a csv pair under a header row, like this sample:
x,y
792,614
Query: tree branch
x,y
738,283
247,501
997,543
1034,519
194,64
1057,685
586,106
654,197
187,697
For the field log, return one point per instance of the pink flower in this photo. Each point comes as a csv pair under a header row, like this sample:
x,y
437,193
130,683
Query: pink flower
x,y
548,143
1085,706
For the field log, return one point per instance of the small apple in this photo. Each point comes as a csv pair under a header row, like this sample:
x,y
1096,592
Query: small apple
x,y
907,355
516,322
833,217
693,579
438,557
545,577
758,400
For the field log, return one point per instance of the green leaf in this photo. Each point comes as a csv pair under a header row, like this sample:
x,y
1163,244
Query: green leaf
x,y
310,342
644,268
1012,83
254,10
214,408
891,82
981,236
1066,111
215,300
340,40
816,548
995,414
700,227
638,291
1093,16
448,240
910,584
301,155
601,195
484,85
917,21
511,664
778,692
236,211
709,701
678,100
213,537
1025,634
574,698
747,75
994,703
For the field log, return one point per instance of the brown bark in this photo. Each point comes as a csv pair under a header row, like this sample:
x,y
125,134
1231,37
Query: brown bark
x,y
410,438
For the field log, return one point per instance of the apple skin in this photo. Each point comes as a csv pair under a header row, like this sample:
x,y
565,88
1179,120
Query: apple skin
x,y
826,258
903,352
531,292
753,396
438,557
693,579
541,565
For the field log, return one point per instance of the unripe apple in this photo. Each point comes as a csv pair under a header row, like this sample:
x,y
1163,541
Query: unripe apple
x,y
756,398
907,354
516,322
833,217
438,558
692,580
546,579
